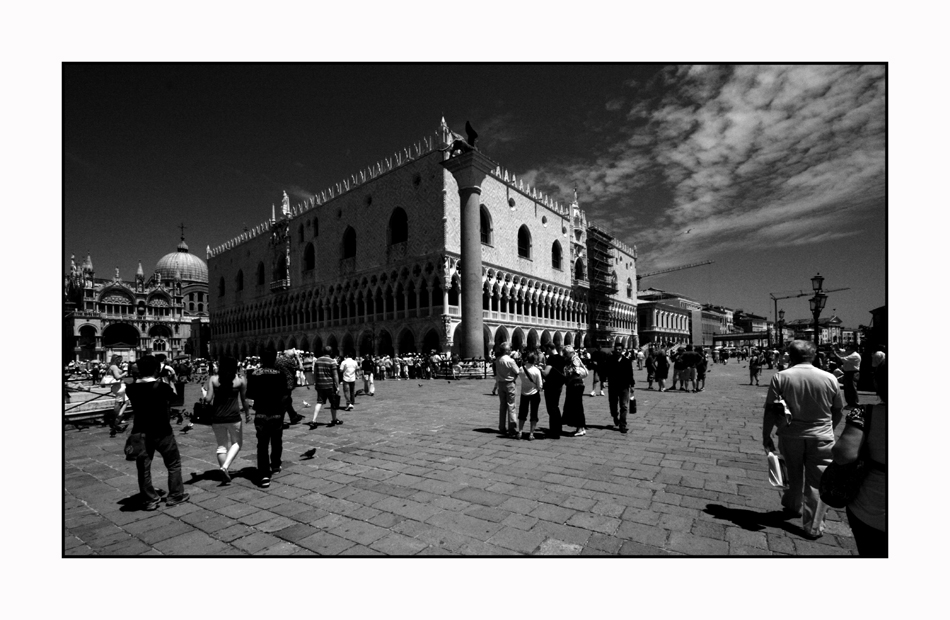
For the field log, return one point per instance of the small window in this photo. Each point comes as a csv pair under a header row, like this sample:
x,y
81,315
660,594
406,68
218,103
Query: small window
x,y
349,243
398,226
239,280
485,226
556,255
524,242
316,226
260,276
629,287
221,287
309,257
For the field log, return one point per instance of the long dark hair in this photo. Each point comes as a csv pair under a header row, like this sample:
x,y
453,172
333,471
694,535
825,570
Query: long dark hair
x,y
227,370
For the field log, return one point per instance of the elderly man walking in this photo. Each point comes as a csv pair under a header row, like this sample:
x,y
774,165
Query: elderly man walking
x,y
811,410
506,372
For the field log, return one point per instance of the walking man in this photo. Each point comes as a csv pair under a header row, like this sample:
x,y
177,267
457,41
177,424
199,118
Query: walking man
x,y
288,363
553,374
348,367
327,382
619,375
506,372
850,364
368,366
812,408
267,387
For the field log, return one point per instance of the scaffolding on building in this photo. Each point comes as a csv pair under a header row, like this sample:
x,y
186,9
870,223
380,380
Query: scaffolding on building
x,y
603,284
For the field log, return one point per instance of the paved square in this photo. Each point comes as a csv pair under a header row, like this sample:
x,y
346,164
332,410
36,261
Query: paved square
x,y
419,470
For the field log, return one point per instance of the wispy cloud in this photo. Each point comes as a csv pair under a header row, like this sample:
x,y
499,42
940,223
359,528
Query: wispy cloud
x,y
747,157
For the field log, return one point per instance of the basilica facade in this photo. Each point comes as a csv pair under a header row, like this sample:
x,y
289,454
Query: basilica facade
x,y
373,265
168,312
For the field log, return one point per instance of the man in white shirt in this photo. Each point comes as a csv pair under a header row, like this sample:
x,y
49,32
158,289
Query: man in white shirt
x,y
850,365
805,433
506,372
348,367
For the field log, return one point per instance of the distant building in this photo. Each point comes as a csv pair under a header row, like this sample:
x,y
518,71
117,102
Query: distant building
x,y
717,321
668,318
168,312
830,330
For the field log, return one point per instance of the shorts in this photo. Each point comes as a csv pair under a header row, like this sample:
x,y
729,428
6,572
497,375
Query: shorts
x,y
328,394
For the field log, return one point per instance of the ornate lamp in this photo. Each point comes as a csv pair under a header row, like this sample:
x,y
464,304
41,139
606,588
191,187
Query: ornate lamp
x,y
816,282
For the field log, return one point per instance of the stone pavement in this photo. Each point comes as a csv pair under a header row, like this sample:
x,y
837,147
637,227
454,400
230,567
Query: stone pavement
x,y
419,470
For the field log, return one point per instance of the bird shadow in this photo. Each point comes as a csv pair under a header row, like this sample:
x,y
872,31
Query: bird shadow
x,y
754,521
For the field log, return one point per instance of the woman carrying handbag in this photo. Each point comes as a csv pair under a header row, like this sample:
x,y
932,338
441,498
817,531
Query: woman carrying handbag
x,y
227,392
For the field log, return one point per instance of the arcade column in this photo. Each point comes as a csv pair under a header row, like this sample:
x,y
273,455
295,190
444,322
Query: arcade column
x,y
469,169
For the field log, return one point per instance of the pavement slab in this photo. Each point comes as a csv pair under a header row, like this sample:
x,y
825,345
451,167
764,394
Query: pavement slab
x,y
421,471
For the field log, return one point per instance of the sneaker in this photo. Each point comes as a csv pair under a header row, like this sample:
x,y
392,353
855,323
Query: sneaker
x,y
152,505
275,470
592,393
530,437
171,501
349,407
265,482
580,433
601,392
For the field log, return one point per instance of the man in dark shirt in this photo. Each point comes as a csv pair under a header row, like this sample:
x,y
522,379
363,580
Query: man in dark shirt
x,y
553,382
368,366
267,388
150,399
690,360
327,380
618,370
288,363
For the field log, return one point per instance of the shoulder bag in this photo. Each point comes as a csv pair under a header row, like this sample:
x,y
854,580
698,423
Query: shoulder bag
x,y
840,484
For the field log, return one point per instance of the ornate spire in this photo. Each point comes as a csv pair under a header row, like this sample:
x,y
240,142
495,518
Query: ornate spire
x,y
140,273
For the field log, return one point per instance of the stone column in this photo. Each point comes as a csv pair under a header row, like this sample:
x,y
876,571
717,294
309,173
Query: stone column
x,y
469,170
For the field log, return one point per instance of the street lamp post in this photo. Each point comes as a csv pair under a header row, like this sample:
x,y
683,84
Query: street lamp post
x,y
817,304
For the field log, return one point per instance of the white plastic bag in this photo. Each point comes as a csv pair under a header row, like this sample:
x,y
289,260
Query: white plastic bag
x,y
778,472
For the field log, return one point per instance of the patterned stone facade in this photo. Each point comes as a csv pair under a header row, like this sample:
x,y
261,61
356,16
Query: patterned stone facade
x,y
372,265
111,316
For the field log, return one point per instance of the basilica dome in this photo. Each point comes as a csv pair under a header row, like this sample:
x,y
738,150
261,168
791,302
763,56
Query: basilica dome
x,y
192,268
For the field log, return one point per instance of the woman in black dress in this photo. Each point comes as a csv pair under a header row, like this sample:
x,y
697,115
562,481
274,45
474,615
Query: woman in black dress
x,y
574,373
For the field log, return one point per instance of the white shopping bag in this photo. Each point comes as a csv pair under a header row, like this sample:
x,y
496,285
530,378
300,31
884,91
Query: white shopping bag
x,y
778,472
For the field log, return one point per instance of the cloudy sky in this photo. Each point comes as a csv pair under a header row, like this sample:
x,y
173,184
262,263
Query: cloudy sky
x,y
772,172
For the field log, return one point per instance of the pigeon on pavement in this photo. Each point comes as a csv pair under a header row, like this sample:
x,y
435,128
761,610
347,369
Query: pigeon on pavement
x,y
309,454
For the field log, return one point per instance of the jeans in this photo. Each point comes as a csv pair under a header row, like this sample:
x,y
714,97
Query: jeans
x,y
349,391
270,435
618,398
168,448
507,419
368,387
806,460
552,397
529,402
288,402
850,381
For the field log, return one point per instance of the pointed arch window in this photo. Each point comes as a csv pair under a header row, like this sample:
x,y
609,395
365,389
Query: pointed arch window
x,y
398,231
309,257
556,255
348,249
524,242
485,225
629,288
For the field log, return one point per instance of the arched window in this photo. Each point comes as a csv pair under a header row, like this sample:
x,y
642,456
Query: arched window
x,y
260,274
524,242
629,287
349,243
221,287
484,222
309,257
239,280
579,272
556,255
398,227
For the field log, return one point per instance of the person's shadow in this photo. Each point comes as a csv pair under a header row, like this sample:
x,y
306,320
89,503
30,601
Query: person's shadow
x,y
754,521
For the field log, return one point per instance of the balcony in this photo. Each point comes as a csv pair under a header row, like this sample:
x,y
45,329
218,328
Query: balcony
x,y
280,285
